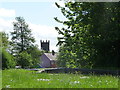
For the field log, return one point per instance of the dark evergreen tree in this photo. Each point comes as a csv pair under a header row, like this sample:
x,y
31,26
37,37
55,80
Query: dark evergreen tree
x,y
22,38
23,48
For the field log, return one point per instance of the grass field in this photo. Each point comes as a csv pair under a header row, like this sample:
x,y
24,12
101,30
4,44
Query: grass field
x,y
20,78
0,79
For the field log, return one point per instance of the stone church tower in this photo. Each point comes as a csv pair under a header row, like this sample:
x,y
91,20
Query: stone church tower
x,y
45,45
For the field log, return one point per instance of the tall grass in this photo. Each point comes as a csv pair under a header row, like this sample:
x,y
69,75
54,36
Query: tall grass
x,y
20,78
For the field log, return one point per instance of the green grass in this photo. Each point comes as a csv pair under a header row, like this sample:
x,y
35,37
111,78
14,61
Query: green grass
x,y
20,78
0,79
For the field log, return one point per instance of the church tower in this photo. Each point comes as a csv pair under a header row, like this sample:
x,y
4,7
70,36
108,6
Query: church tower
x,y
45,45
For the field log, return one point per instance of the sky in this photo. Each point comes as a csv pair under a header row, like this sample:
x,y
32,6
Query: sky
x,y
39,15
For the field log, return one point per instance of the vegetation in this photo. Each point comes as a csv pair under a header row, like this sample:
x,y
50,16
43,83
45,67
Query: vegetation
x,y
22,38
4,40
91,38
24,59
35,54
30,79
21,50
7,59
21,42
0,79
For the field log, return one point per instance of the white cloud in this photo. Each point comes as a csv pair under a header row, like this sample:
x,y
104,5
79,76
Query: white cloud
x,y
6,19
7,12
40,32
6,25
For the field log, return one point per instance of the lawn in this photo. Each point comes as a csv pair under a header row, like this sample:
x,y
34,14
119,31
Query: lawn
x,y
19,78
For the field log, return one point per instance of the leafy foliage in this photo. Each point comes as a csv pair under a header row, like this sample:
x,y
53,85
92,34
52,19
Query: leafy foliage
x,y
23,48
7,60
4,40
21,36
92,33
24,59
66,58
35,53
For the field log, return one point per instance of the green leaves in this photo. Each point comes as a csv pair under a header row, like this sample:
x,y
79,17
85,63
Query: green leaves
x,y
25,52
4,40
24,59
21,36
7,59
92,29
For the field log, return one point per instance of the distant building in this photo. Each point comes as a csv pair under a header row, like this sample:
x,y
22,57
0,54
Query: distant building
x,y
45,45
48,60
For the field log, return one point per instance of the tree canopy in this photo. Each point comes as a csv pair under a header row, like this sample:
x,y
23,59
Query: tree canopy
x,y
92,33
26,53
21,49
7,59
21,36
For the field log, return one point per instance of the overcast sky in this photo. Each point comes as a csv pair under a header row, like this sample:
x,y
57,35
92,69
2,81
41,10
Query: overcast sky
x,y
38,14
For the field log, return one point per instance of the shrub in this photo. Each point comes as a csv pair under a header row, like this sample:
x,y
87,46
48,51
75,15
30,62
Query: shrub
x,y
24,59
7,60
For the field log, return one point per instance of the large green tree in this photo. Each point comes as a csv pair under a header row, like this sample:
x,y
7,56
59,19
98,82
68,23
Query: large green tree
x,y
92,33
26,53
22,38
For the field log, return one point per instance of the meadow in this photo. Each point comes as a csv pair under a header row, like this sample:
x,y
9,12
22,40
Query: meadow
x,y
0,79
20,78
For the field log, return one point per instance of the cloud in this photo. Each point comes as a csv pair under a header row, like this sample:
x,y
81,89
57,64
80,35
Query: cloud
x,y
40,32
6,25
7,12
6,19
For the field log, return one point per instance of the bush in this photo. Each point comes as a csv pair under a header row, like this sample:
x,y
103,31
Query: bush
x,y
7,60
24,59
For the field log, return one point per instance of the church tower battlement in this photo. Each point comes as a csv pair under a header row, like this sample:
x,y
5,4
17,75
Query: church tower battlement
x,y
45,45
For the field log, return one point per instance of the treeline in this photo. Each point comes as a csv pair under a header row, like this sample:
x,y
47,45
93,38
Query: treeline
x,y
20,50
91,37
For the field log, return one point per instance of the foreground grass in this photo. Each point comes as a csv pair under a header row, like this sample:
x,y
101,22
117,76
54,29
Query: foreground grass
x,y
0,79
30,79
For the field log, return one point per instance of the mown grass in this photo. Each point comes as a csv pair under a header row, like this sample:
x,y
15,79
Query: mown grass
x,y
20,78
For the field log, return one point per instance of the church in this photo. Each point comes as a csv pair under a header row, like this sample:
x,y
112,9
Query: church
x,y
47,59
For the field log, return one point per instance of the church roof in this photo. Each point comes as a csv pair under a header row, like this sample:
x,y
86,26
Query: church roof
x,y
50,56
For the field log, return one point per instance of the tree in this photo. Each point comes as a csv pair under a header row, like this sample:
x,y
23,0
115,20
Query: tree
x,y
35,53
7,58
4,40
24,59
22,38
92,32
26,53
66,57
